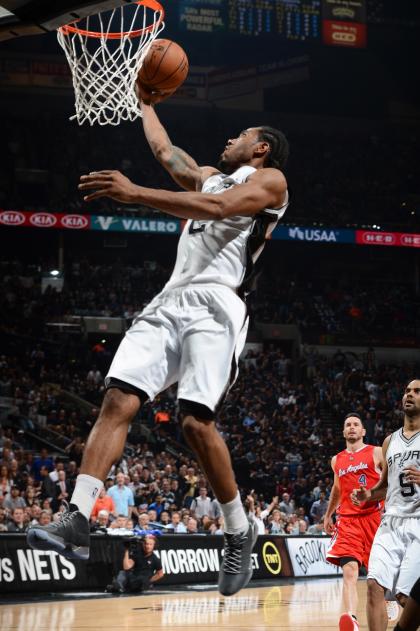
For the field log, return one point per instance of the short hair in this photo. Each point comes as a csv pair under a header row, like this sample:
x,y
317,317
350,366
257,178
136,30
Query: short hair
x,y
355,415
279,147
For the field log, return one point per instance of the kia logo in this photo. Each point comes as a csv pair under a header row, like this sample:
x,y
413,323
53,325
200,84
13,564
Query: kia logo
x,y
348,38
12,218
76,222
43,220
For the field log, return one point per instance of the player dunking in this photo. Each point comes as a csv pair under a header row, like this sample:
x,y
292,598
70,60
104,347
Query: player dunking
x,y
359,464
395,557
194,330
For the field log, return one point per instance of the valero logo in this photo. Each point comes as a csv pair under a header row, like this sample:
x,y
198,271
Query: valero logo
x,y
272,558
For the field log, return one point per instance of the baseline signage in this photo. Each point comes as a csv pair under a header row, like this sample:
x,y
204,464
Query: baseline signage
x,y
186,559
308,556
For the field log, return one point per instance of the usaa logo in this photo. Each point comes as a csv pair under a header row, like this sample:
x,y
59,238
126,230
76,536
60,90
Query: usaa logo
x,y
272,558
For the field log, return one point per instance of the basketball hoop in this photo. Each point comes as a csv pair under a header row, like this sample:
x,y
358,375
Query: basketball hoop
x,y
105,53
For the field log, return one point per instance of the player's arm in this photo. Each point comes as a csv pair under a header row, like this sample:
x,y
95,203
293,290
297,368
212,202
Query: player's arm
x,y
181,166
377,492
266,188
334,500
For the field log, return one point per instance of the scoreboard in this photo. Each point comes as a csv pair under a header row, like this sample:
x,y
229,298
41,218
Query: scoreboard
x,y
297,20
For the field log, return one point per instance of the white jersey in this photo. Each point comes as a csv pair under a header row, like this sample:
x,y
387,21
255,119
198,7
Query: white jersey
x,y
402,498
223,251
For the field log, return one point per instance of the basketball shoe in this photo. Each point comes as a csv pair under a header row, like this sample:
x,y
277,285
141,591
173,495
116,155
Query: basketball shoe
x,y
348,623
236,570
69,536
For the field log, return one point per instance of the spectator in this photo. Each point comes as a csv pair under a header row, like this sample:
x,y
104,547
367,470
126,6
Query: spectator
x,y
276,525
317,528
103,502
319,508
122,496
201,505
43,460
286,505
141,567
177,527
192,526
14,500
101,522
18,521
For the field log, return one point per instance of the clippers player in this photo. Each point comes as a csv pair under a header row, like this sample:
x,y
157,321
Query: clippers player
x,y
395,557
194,330
359,464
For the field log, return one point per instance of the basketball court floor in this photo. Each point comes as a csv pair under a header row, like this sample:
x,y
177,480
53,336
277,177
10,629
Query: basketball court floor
x,y
301,604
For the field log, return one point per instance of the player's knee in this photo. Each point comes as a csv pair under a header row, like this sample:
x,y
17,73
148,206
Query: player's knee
x,y
119,405
196,431
374,591
351,571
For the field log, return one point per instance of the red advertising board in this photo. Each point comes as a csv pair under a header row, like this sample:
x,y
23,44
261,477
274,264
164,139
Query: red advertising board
x,y
71,221
399,239
350,34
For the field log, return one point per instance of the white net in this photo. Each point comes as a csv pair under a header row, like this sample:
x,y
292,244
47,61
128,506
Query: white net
x,y
105,53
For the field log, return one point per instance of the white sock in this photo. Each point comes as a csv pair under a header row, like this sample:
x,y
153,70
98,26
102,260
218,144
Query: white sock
x,y
85,493
234,515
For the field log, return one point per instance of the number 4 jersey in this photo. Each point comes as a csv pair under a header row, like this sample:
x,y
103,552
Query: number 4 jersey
x,y
403,497
354,470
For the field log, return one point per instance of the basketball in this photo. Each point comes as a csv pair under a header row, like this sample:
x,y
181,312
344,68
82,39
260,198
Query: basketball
x,y
165,66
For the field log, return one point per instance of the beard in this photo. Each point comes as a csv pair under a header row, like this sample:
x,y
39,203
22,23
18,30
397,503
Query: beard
x,y
225,167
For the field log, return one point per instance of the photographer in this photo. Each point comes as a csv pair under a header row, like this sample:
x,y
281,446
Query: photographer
x,y
141,567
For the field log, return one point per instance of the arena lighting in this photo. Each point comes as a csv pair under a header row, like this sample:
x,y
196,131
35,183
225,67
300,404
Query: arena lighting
x,y
54,272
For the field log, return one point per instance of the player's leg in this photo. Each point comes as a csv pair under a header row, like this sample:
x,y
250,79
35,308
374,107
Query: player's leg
x,y
384,566
346,549
410,618
375,607
409,569
211,345
143,365
350,568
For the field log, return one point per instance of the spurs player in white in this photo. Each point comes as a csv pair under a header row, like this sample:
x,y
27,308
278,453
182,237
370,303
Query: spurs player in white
x,y
395,555
194,330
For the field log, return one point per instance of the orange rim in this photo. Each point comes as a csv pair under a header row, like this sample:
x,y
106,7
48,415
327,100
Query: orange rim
x,y
68,29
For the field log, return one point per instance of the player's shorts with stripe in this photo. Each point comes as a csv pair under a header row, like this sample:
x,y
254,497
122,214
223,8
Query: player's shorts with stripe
x,y
395,558
353,537
191,335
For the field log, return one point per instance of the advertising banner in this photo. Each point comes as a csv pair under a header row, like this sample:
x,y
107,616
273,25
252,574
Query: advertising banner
x,y
344,23
26,219
115,223
186,559
400,239
308,556
318,235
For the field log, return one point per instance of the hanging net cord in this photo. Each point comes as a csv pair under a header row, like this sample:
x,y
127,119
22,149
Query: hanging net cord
x,y
105,64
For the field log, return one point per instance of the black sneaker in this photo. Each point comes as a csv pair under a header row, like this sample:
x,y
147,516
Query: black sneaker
x,y
236,570
69,536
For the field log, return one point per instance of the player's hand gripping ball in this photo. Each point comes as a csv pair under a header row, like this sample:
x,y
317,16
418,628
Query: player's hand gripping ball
x,y
164,70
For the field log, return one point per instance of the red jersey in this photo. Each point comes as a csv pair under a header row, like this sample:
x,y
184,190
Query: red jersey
x,y
356,469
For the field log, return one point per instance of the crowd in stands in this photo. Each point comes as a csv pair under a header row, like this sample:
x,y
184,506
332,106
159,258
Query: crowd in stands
x,y
339,178
341,309
281,437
